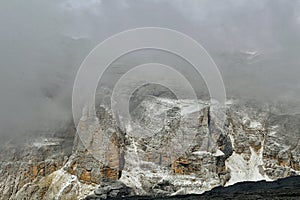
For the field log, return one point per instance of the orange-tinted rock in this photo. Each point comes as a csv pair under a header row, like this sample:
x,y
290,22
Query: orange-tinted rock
x,y
182,166
34,170
86,176
110,173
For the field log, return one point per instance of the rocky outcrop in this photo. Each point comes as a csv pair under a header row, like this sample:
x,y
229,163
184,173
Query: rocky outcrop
x,y
172,147
283,189
111,189
33,168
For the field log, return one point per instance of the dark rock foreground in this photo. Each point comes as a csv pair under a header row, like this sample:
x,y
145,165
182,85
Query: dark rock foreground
x,y
287,188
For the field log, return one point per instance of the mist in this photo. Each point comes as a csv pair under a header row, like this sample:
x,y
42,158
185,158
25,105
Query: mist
x,y
255,44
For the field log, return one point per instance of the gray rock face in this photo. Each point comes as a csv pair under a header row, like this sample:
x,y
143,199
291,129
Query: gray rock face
x,y
250,146
112,189
32,169
189,152
172,147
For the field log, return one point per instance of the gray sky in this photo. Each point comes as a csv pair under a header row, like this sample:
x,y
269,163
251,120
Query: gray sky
x,y
255,43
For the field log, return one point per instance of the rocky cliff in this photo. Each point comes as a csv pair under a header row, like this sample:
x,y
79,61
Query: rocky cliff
x,y
172,147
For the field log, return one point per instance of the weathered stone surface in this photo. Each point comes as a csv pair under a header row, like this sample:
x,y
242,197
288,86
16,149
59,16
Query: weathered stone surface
x,y
33,169
111,189
188,152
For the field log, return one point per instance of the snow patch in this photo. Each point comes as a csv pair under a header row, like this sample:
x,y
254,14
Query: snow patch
x,y
219,153
200,153
40,142
190,109
243,170
255,125
272,133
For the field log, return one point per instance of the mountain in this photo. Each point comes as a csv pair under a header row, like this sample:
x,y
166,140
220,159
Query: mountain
x,y
170,147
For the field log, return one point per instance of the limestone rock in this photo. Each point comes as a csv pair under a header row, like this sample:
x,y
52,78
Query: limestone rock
x,y
186,149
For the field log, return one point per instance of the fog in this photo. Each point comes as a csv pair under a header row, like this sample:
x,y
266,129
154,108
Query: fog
x,y
255,44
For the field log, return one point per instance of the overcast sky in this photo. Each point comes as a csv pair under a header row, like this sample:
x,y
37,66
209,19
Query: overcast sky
x,y
255,43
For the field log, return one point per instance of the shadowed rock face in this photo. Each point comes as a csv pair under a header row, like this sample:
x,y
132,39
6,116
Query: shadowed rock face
x,y
188,152
285,189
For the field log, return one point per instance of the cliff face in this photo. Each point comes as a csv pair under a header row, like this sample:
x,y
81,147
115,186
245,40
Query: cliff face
x,y
172,147
34,168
